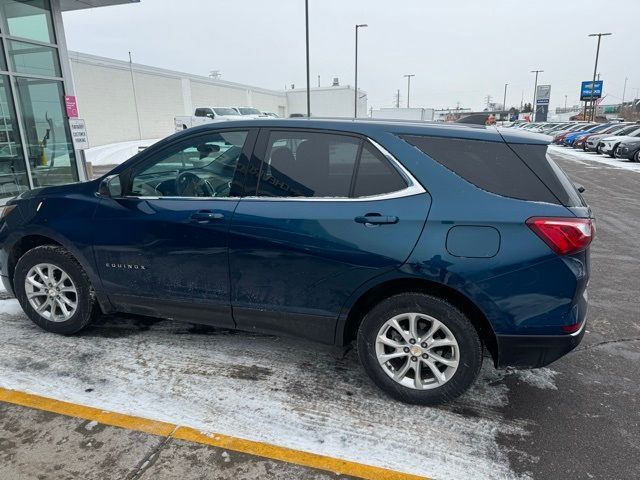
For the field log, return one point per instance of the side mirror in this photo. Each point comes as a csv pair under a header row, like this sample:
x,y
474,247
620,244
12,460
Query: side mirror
x,y
211,116
110,187
580,188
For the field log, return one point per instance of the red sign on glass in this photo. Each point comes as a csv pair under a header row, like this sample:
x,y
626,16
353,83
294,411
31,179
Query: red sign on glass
x,y
72,106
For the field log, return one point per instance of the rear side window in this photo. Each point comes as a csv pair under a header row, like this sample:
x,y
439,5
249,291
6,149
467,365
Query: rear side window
x,y
375,175
309,164
538,160
305,164
491,166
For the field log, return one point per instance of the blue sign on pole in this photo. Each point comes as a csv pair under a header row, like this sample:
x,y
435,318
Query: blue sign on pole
x,y
591,90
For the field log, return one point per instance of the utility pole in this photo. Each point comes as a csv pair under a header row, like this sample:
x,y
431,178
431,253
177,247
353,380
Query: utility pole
x,y
408,77
565,103
488,98
135,97
398,99
318,81
535,93
595,70
624,90
355,95
306,20
504,102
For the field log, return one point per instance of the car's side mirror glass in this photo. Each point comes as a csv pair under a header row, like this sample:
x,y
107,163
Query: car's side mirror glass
x,y
110,187
211,115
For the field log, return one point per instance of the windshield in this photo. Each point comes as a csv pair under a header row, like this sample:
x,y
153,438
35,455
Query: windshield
x,y
225,111
249,111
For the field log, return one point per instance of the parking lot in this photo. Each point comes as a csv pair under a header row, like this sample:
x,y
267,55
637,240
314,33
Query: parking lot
x,y
222,404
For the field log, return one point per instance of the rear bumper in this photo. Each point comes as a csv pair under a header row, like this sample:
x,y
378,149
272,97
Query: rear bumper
x,y
533,351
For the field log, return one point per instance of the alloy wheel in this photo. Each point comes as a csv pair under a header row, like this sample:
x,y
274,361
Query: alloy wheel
x,y
51,292
417,351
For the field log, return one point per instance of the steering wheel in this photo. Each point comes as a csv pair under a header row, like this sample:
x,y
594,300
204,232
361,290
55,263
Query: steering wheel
x,y
190,185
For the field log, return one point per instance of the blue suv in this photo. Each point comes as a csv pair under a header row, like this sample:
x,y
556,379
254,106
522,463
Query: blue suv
x,y
426,244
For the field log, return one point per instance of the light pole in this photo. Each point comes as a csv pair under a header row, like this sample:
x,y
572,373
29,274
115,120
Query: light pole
x,y
535,93
306,20
565,103
595,70
408,77
355,107
504,101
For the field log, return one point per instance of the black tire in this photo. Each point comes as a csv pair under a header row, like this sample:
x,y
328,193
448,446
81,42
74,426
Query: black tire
x,y
87,305
612,153
636,157
470,347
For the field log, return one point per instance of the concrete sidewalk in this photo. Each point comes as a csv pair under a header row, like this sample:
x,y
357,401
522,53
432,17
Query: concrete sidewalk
x,y
41,445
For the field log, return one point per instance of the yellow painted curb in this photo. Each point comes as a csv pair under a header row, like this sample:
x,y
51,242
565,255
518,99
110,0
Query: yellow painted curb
x,y
164,429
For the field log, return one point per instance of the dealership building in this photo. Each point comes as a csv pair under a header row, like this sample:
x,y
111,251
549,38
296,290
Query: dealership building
x,y
36,147
43,86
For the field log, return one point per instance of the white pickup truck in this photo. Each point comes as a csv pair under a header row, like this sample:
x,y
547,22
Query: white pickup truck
x,y
204,115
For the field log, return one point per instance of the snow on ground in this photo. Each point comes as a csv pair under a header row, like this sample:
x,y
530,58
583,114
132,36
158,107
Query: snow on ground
x,y
593,159
116,153
282,391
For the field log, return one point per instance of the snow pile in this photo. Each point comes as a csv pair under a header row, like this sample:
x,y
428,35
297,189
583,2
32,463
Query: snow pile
x,y
589,158
116,153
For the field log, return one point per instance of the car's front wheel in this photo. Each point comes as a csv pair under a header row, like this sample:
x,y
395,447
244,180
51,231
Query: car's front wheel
x,y
54,291
419,348
636,157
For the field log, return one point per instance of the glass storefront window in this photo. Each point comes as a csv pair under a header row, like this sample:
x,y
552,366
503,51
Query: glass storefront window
x,y
3,62
51,155
13,177
30,19
33,59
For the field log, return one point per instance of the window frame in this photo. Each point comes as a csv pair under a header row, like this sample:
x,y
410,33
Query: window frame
x,y
258,163
150,156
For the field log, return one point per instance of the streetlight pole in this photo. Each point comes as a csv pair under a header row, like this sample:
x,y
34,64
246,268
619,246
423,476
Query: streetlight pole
x,y
504,102
595,70
408,77
535,93
355,100
306,20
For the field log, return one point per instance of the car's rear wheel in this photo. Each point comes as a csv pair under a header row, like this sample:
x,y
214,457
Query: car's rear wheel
x,y
612,153
636,157
54,291
419,349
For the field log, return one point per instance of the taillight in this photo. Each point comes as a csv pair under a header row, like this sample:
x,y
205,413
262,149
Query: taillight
x,y
564,235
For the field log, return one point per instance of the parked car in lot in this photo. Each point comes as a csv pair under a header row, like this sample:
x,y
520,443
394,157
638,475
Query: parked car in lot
x,y
580,127
204,115
581,141
249,112
425,244
572,137
629,149
595,142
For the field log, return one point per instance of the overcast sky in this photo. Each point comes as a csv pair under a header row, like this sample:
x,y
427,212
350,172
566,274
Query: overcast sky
x,y
459,50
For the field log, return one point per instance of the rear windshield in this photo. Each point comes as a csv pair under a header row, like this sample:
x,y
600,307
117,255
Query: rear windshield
x,y
517,171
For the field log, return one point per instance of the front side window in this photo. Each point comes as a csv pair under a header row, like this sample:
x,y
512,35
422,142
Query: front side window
x,y
312,165
203,166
